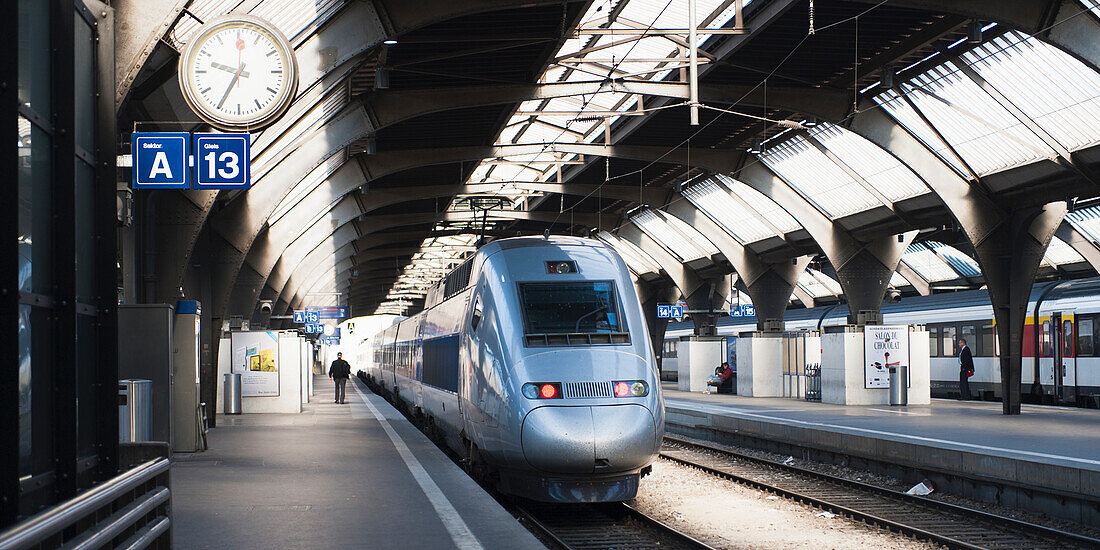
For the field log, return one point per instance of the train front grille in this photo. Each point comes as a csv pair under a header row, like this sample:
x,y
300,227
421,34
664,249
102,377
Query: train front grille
x,y
586,390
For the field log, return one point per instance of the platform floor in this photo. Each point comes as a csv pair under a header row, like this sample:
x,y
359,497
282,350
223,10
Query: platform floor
x,y
335,476
1056,435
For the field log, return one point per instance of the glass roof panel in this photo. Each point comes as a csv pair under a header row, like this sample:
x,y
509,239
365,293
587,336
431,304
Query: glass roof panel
x,y
769,209
985,134
927,264
1093,6
293,17
818,284
1087,221
897,281
694,236
1055,90
1059,253
657,228
880,169
962,264
716,202
818,178
638,261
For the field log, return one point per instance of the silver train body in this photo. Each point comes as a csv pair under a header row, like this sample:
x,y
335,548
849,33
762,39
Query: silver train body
x,y
533,360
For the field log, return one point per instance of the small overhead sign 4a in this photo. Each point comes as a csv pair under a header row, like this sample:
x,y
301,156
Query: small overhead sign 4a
x,y
669,311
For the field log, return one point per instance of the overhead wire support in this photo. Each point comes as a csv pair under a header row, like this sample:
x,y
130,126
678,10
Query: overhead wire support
x,y
693,64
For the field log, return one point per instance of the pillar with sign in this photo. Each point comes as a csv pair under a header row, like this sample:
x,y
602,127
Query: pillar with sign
x,y
856,362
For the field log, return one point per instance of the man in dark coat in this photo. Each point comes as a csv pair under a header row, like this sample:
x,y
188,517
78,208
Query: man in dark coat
x,y
966,370
339,373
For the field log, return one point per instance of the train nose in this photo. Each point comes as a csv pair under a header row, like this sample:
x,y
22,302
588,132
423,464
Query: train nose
x,y
576,440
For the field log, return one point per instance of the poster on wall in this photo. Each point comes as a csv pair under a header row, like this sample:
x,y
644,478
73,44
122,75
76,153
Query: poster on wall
x,y
885,346
731,352
256,360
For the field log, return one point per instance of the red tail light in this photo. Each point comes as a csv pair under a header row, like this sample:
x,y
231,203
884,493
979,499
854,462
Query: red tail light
x,y
622,389
548,391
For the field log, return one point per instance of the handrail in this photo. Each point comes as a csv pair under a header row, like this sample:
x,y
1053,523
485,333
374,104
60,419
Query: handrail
x,y
39,528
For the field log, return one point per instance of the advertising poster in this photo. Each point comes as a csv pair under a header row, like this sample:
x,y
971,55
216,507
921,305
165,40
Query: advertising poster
x,y
885,346
255,358
731,352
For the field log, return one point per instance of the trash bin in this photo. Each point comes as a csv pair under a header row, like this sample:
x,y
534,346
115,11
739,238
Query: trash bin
x,y
135,410
231,392
899,393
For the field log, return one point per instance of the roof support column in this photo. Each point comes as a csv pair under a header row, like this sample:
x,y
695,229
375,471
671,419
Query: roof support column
x,y
1009,258
1008,243
769,285
863,268
865,276
649,295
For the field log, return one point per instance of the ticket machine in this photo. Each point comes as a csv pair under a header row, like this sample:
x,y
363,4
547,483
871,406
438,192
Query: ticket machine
x,y
186,414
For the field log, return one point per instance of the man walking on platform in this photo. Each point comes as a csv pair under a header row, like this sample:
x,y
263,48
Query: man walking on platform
x,y
966,370
339,373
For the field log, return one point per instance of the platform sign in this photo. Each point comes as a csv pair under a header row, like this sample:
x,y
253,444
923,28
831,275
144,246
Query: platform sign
x,y
314,328
303,316
160,160
330,340
333,312
222,161
669,311
743,310
884,346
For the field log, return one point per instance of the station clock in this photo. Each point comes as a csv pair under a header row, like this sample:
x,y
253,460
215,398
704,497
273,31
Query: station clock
x,y
238,73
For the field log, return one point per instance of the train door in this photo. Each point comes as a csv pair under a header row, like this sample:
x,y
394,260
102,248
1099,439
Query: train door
x,y
1065,360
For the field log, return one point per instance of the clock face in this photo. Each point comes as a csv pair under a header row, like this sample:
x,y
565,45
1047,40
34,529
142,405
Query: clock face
x,y
238,73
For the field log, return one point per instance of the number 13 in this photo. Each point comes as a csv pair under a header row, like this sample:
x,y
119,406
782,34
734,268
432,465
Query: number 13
x,y
230,159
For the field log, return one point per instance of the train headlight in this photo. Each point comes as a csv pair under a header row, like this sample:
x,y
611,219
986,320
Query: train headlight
x,y
631,388
541,390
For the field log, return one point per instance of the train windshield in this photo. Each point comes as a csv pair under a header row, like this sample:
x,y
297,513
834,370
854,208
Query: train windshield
x,y
570,308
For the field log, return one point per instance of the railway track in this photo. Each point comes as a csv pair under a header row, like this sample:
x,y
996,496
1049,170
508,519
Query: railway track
x,y
923,518
602,526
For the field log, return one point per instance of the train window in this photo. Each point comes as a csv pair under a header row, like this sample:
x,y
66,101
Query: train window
x,y
947,336
988,338
934,342
1085,327
969,332
570,308
1067,338
1046,339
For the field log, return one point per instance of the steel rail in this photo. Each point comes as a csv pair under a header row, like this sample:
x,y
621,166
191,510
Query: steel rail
x,y
1026,530
585,523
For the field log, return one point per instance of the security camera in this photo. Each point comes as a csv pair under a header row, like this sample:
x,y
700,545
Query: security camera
x,y
265,306
893,295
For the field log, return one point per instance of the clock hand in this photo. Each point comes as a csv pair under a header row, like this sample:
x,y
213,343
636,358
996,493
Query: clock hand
x,y
228,69
233,82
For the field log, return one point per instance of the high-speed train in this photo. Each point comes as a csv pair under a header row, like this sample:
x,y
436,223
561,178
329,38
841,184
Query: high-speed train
x,y
1067,314
532,359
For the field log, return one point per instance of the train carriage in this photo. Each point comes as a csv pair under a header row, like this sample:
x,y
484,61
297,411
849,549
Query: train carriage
x,y
533,360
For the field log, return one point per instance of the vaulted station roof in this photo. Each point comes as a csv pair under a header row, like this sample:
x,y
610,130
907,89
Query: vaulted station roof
x,y
420,129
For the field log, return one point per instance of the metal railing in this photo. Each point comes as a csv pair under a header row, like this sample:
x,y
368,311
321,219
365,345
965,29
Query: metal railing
x,y
132,506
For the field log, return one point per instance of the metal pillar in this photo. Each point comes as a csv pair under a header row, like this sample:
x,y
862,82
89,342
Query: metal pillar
x,y
1009,258
865,276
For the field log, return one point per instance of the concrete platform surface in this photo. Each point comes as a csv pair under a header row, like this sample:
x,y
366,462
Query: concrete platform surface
x,y
1054,435
335,476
